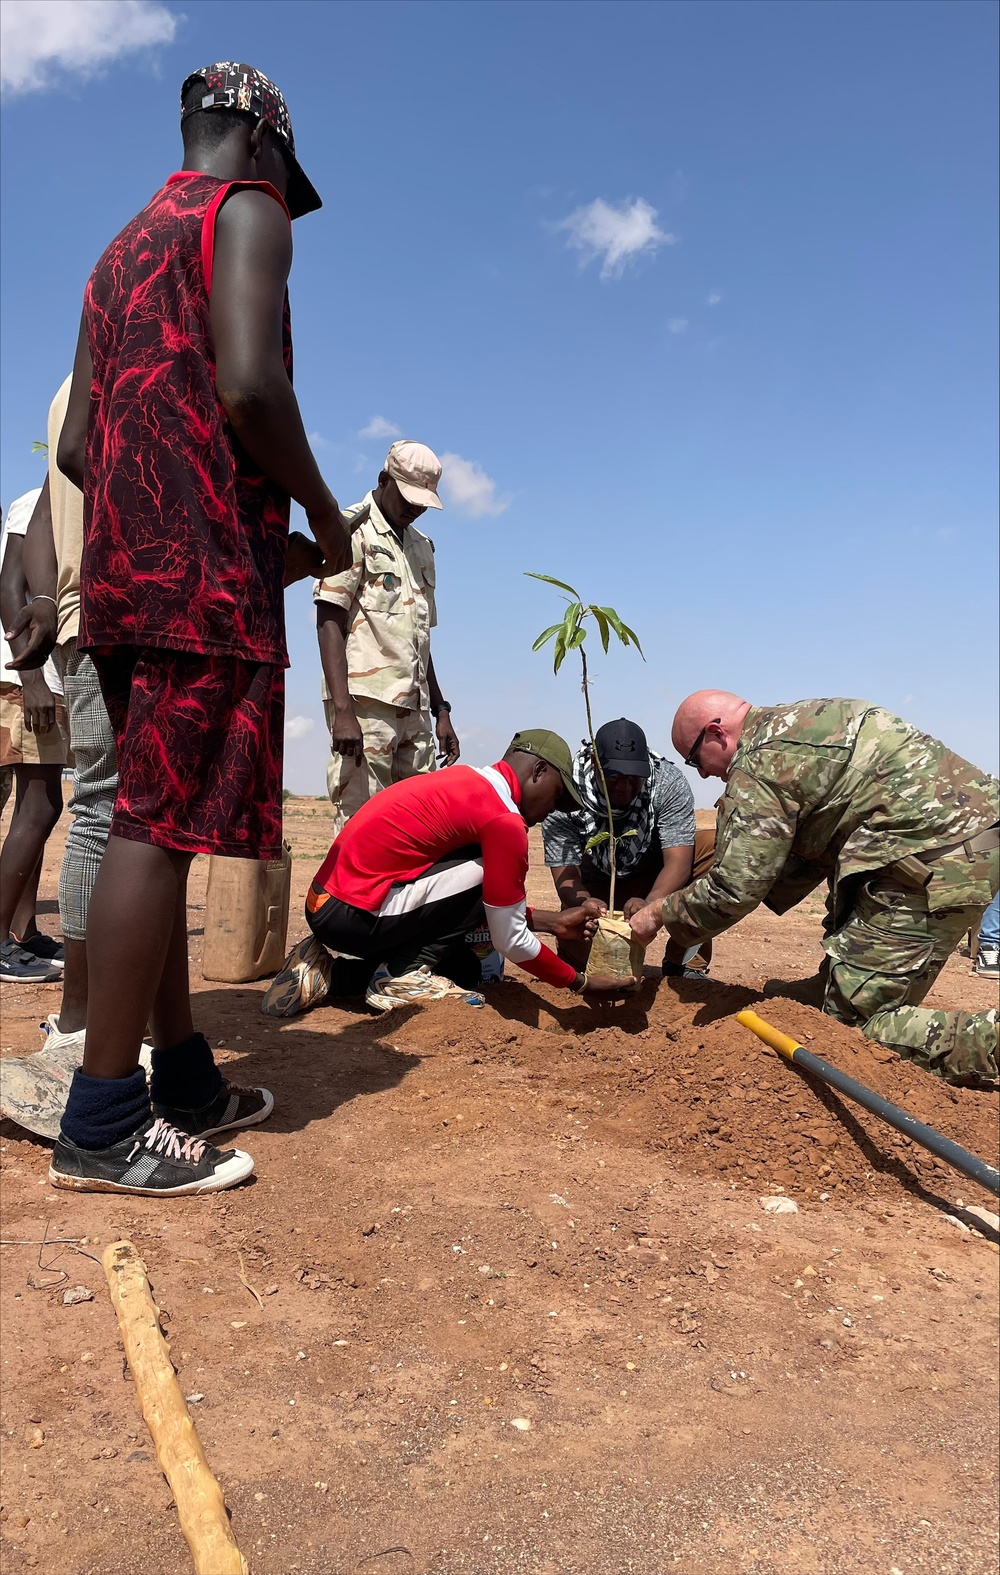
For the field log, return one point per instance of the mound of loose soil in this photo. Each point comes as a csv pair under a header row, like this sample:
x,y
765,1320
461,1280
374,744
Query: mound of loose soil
x,y
674,1070
502,1294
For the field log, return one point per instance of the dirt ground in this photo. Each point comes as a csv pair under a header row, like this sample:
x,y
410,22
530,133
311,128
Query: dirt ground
x,y
519,1306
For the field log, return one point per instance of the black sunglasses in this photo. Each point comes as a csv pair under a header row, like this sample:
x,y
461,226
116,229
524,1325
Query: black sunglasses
x,y
691,758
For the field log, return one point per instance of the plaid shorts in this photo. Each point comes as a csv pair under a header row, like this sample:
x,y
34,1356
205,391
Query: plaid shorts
x,y
199,742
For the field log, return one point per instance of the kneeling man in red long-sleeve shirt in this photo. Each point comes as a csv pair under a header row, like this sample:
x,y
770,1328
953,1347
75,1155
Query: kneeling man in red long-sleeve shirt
x,y
423,863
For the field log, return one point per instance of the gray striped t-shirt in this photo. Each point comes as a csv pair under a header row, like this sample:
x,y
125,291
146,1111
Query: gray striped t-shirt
x,y
664,810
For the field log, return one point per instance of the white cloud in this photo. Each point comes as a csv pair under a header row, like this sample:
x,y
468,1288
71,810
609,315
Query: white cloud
x,y
469,489
317,440
379,427
298,726
714,298
37,37
677,325
616,235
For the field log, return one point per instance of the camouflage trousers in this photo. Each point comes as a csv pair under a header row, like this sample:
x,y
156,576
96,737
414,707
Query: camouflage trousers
x,y
397,744
883,958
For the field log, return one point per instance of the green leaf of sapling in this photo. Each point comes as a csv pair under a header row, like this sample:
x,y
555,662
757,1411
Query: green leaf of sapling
x,y
550,581
602,624
615,622
542,638
596,840
571,621
634,639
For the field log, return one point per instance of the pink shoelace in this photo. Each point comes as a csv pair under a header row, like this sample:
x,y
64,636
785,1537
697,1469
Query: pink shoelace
x,y
162,1138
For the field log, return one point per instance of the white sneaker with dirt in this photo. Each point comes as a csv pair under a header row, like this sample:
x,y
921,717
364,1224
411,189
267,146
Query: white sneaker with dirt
x,y
304,981
988,962
388,991
157,1161
67,1049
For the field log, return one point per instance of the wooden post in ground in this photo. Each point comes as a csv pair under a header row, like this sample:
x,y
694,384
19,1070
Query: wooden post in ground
x,y
200,1505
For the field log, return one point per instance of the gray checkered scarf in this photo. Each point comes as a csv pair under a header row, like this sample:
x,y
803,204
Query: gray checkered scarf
x,y
636,817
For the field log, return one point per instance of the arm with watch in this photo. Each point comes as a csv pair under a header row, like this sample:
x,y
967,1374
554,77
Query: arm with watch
x,y
449,748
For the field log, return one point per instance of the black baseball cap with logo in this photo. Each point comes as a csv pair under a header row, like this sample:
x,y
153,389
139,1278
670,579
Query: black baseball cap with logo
x,y
555,752
229,84
622,748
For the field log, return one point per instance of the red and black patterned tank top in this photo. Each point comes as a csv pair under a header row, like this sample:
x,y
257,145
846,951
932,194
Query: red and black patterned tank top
x,y
184,536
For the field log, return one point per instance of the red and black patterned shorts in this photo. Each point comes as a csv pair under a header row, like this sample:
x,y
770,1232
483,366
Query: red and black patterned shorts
x,y
199,749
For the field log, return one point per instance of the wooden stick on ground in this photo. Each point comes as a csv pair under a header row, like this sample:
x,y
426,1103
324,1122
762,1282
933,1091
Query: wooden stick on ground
x,y
199,1500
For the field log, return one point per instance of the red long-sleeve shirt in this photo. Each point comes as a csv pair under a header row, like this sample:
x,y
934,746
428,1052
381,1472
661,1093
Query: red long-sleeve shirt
x,y
380,856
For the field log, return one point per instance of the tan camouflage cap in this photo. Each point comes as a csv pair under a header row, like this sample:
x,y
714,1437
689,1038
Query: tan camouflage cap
x,y
416,470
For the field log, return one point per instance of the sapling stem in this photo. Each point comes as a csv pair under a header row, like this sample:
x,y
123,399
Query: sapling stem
x,y
612,849
569,635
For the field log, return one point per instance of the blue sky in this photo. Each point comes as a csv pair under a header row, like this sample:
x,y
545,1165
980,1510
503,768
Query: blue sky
x,y
701,300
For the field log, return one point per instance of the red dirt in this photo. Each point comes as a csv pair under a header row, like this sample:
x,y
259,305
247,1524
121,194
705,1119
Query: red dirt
x,y
537,1212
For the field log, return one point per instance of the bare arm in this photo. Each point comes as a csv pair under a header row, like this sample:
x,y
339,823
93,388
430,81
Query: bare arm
x,y
567,924
676,872
331,628
253,255
41,568
449,748
32,630
13,590
39,703
72,450
571,891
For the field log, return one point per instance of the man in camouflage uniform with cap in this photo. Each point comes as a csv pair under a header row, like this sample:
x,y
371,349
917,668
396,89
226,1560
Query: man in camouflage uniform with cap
x,y
904,831
374,624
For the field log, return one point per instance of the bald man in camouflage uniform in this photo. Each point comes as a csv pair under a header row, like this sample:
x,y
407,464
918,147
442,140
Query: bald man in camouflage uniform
x,y
904,831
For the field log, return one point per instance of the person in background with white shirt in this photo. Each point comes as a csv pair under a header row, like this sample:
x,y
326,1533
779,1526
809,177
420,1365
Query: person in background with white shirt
x,y
34,744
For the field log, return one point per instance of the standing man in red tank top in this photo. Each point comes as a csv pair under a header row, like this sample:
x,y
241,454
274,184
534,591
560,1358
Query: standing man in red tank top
x,y
185,436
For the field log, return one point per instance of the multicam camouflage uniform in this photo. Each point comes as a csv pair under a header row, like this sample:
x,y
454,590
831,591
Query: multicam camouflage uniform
x,y
843,791
388,594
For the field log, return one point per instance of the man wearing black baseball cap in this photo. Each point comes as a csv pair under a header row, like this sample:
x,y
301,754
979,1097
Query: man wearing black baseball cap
x,y
182,406
231,86
654,828
421,864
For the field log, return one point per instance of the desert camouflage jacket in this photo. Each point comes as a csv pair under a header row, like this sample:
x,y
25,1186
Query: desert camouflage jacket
x,y
824,789
388,595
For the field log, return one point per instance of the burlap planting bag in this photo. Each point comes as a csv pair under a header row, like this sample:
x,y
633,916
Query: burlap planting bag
x,y
615,950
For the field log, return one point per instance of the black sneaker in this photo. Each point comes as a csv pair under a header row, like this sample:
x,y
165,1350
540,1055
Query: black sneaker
x,y
44,947
23,967
156,1161
231,1107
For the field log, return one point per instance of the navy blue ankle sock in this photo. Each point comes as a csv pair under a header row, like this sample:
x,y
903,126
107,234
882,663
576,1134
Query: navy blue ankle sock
x,y
185,1076
104,1110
